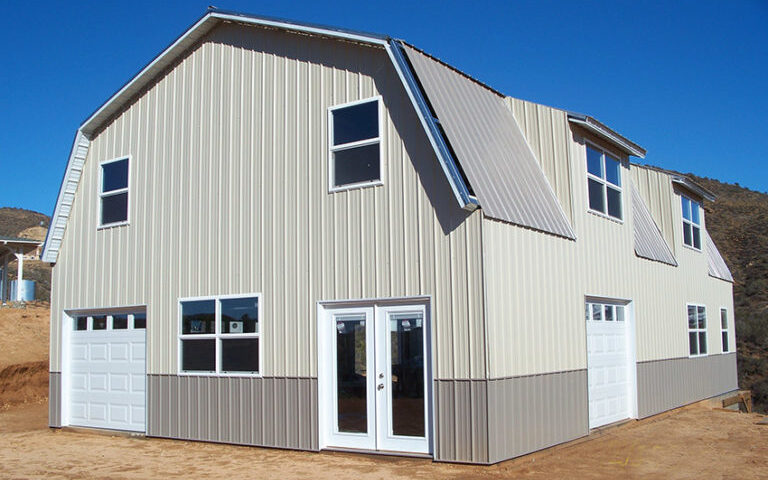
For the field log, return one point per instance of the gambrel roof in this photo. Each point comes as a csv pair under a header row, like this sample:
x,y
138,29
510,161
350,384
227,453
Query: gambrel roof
x,y
481,149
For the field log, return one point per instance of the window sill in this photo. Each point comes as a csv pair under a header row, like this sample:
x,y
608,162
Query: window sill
x,y
113,225
701,355
606,216
697,250
356,186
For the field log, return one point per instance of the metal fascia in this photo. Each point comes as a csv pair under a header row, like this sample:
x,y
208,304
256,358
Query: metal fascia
x,y
606,133
447,162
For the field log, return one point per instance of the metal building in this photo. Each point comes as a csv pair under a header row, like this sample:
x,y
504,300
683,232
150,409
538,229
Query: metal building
x,y
299,236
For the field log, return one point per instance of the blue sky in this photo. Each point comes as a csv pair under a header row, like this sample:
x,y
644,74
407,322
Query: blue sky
x,y
686,80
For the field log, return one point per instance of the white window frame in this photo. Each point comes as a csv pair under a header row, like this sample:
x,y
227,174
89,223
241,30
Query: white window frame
x,y
691,223
110,319
111,193
697,330
724,330
360,143
218,336
604,181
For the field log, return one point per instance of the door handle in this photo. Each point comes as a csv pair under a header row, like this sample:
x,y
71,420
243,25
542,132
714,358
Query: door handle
x,y
381,375
380,387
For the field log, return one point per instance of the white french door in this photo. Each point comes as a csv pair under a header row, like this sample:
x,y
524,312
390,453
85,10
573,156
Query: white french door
x,y
374,378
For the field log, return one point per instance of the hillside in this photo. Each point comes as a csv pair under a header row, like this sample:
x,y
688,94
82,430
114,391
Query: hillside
x,y
738,223
13,221
17,222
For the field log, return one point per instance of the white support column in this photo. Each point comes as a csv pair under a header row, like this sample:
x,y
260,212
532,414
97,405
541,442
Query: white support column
x,y
20,276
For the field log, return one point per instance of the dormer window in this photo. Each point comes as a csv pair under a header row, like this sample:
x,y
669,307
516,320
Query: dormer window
x,y
691,223
604,183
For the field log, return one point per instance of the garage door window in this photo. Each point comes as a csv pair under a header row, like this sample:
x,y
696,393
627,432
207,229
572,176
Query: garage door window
x,y
220,335
605,312
126,321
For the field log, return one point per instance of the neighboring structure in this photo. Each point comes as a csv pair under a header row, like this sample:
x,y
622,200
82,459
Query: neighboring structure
x,y
12,248
297,236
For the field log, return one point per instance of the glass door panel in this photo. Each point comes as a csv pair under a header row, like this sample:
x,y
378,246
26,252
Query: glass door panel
x,y
406,340
401,393
351,374
351,332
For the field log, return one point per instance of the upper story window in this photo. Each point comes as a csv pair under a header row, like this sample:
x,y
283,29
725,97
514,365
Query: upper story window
x,y
691,223
724,328
355,151
113,192
220,335
604,183
697,330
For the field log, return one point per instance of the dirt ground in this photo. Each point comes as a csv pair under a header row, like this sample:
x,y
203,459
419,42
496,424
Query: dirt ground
x,y
694,442
24,334
23,355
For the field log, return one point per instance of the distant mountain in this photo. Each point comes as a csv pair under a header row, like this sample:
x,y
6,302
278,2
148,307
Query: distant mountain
x,y
14,221
17,222
738,223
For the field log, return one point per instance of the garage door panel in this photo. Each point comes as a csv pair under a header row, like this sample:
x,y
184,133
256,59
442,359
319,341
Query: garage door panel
x,y
608,364
138,383
119,382
98,352
107,379
119,352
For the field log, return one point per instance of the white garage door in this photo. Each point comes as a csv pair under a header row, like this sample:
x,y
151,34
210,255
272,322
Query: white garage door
x,y
608,364
107,381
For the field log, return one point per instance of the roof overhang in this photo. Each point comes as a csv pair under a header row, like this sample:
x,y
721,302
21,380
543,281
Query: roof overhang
x,y
690,185
187,40
17,245
603,131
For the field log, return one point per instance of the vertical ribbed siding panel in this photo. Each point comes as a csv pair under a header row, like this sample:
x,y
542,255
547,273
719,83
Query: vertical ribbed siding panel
x,y
461,432
546,131
490,147
229,180
535,285
54,399
221,410
526,414
672,383
656,190
649,242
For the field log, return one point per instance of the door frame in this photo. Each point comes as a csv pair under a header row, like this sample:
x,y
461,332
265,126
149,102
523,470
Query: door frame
x,y
325,370
65,352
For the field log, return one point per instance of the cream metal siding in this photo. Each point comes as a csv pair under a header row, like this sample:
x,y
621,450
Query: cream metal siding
x,y
229,195
649,242
536,285
546,131
656,190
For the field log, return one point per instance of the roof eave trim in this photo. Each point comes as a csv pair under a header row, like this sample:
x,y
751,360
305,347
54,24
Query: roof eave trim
x,y
605,132
92,123
686,182
440,146
65,199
